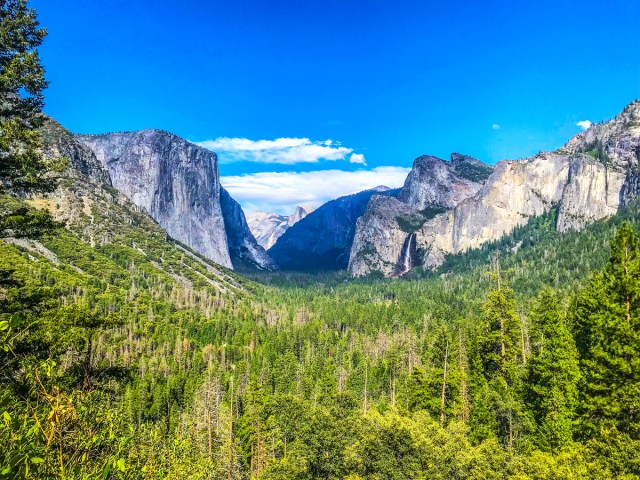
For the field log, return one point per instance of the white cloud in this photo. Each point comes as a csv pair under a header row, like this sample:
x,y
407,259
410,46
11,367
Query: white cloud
x,y
357,158
495,126
584,124
282,192
286,151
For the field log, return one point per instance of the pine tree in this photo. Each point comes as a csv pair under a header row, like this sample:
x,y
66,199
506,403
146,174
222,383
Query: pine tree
x,y
500,359
607,322
22,82
438,389
23,168
553,374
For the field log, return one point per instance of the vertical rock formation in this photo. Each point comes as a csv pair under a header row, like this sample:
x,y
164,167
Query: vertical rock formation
x,y
244,250
388,228
58,142
514,192
434,182
175,181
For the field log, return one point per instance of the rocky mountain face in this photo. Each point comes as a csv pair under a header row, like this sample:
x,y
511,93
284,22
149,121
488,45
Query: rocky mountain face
x,y
386,238
322,240
58,142
245,252
434,182
589,178
177,183
267,228
108,221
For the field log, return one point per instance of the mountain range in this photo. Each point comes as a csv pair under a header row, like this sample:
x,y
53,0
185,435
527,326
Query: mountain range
x,y
444,207
589,178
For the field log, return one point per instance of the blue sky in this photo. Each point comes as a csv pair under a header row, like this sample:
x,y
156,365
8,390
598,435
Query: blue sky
x,y
356,90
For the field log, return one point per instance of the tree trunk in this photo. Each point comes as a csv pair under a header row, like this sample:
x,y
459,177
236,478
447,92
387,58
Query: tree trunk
x,y
230,477
444,384
86,381
366,373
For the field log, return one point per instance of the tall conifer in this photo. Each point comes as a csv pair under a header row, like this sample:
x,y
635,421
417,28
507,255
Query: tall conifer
x,y
607,321
553,373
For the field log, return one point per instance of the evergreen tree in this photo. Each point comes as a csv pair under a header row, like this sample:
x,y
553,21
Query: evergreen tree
x,y
501,357
438,390
553,374
22,82
500,338
23,168
607,322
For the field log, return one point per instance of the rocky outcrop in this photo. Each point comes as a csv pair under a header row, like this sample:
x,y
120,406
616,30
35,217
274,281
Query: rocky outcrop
x,y
513,193
379,237
603,170
589,178
386,239
435,182
58,142
100,215
267,228
177,183
592,192
244,251
84,199
322,240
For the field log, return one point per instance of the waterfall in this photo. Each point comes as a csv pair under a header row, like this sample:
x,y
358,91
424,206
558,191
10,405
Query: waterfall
x,y
406,256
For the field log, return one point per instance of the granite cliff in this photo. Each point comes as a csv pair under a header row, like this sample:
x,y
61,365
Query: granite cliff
x,y
386,239
245,252
177,183
589,178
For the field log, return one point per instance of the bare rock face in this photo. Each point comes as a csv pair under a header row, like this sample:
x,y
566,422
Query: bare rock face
x,y
244,250
268,227
589,178
386,238
84,198
175,181
434,182
379,237
604,170
592,192
513,193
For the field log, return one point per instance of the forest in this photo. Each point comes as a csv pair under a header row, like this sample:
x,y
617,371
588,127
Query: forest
x,y
137,358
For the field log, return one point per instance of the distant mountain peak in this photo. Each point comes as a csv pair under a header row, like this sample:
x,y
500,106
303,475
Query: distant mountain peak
x,y
268,227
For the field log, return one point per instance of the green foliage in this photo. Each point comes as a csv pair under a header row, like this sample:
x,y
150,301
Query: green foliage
x,y
22,167
413,222
553,374
126,355
144,350
596,150
607,323
476,172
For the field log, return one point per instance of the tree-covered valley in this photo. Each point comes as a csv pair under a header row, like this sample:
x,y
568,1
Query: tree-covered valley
x,y
126,353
